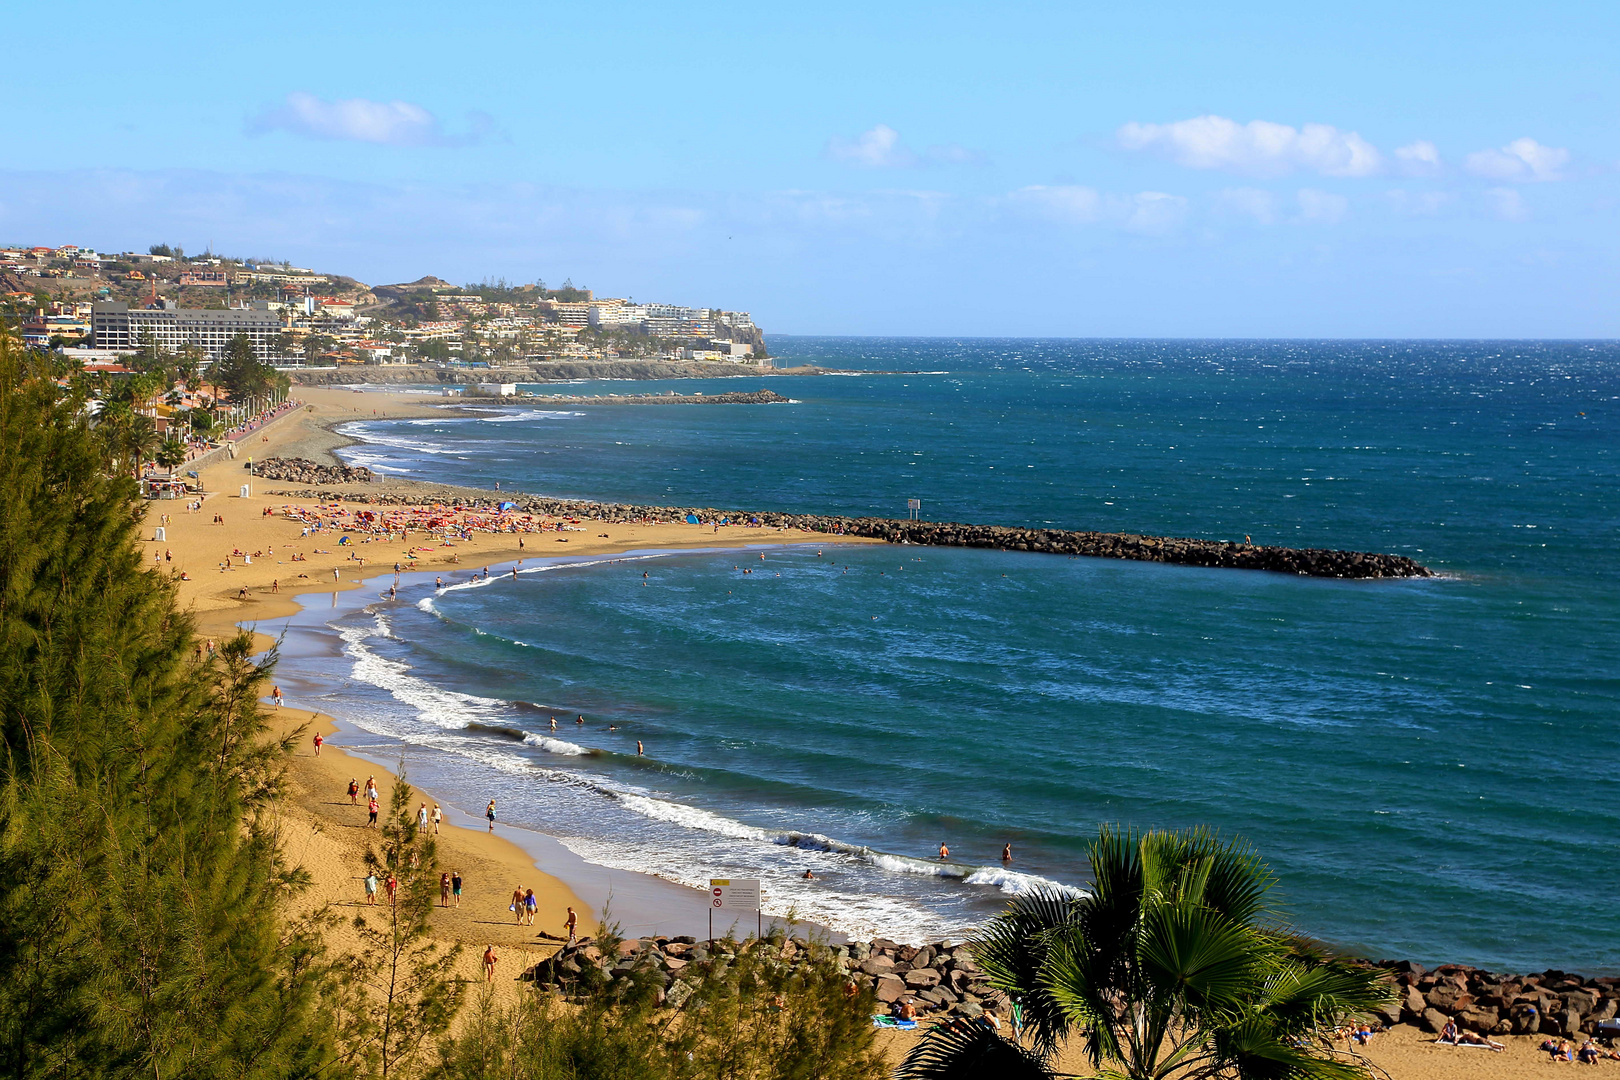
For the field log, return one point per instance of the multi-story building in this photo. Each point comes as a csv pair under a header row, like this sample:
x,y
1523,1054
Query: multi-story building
x,y
118,326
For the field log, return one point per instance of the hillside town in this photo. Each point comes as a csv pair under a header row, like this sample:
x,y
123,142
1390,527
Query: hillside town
x,y
101,308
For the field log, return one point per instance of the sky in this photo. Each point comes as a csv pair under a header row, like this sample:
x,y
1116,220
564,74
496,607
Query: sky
x,y
1010,169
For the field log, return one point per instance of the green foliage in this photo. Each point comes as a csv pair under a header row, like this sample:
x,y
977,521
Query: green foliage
x,y
139,876
172,454
1173,965
750,1015
241,372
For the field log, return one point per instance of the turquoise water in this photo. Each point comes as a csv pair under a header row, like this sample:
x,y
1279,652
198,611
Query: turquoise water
x,y
1429,766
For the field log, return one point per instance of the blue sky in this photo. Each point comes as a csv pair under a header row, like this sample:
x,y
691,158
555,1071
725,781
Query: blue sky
x,y
1000,169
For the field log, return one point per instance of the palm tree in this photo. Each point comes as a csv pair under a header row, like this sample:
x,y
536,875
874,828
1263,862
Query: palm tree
x,y
172,454
1173,967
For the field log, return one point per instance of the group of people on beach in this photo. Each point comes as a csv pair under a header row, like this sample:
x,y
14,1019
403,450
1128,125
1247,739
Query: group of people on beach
x,y
1590,1052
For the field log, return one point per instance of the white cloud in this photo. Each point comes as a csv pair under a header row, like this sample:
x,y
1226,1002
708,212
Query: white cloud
x,y
388,123
1520,160
1507,204
1145,212
1258,148
1065,202
878,148
1154,212
1321,207
1421,158
1248,202
881,148
1418,203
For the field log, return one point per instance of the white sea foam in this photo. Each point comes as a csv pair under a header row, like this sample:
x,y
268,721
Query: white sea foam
x,y
442,708
1015,884
555,746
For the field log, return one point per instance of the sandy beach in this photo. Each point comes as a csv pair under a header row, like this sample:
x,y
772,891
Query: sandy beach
x,y
241,571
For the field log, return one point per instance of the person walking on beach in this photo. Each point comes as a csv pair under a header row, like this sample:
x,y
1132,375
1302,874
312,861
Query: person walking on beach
x,y
392,885
371,888
371,810
371,787
944,852
571,924
517,905
354,792
530,905
318,741
489,812
455,886
422,817
490,959
438,816
444,890
275,695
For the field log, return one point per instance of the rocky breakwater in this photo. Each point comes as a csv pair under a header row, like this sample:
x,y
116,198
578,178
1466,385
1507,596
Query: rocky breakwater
x,y
304,471
940,978
754,397
1180,551
1552,1003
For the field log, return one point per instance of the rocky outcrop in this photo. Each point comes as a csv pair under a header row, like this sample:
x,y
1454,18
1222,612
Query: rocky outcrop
x,y
940,978
1180,551
304,471
1551,1003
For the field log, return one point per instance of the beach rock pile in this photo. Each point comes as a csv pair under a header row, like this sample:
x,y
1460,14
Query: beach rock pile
x,y
1552,1003
939,978
304,471
1309,562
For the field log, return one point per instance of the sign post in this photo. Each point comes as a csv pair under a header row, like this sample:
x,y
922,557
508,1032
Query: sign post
x,y
912,508
735,894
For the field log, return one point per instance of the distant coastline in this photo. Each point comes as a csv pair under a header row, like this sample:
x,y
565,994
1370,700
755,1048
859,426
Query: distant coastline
x,y
553,371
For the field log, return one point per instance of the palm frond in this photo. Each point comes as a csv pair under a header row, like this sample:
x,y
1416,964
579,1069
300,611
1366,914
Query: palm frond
x,y
970,1052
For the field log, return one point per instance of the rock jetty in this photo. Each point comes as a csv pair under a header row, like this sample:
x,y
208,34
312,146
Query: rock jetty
x,y
1552,1003
304,471
754,397
939,978
1180,551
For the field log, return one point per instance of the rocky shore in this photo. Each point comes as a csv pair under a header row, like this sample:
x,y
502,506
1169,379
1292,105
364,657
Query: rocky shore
x,y
943,978
939,978
1180,551
304,471
1551,1003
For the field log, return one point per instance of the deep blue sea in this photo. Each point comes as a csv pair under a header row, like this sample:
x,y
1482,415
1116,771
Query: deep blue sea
x,y
1431,767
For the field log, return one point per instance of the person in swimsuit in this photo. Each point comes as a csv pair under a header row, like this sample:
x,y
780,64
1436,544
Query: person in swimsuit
x,y
318,742
944,852
489,812
490,960
1006,853
517,905
571,924
354,792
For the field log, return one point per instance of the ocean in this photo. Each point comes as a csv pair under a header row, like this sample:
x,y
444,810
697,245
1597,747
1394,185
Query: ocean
x,y
1429,767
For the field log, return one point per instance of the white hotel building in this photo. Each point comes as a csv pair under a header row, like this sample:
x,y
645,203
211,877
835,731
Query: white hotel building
x,y
118,326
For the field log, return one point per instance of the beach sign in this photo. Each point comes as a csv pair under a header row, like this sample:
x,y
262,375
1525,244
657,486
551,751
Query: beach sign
x,y
734,894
